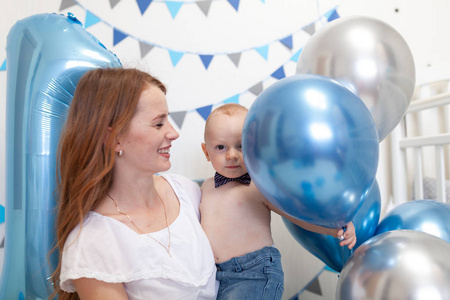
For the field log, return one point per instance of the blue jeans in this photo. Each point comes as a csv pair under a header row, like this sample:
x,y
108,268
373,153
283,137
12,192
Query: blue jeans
x,y
254,276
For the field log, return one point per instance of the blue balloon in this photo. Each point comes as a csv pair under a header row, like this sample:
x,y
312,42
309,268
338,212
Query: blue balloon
x,y
311,147
428,216
46,56
326,247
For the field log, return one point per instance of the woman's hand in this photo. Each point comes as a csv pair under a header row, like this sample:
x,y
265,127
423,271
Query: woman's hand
x,y
347,236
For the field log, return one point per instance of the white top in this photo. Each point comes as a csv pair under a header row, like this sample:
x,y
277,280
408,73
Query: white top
x,y
110,251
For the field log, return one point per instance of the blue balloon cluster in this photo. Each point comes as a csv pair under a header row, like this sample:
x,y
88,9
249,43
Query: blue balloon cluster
x,y
311,147
46,56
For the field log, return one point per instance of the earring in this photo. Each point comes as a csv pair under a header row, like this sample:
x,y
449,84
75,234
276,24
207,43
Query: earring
x,y
120,153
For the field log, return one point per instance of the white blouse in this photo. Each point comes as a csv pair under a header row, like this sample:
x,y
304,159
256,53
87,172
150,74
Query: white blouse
x,y
110,251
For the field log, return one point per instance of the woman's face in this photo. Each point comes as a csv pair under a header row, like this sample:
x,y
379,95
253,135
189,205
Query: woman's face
x,y
146,146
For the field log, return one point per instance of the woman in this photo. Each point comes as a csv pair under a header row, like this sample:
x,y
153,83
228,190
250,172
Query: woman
x,y
122,231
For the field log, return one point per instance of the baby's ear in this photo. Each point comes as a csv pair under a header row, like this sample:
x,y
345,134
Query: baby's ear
x,y
205,151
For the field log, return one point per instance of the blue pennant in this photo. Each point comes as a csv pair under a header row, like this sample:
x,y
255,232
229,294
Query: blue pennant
x,y
334,15
3,67
91,19
143,5
2,214
234,3
204,111
174,7
206,60
232,99
264,51
279,74
118,36
287,41
175,56
295,57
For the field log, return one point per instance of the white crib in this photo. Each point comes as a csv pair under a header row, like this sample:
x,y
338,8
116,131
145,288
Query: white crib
x,y
420,146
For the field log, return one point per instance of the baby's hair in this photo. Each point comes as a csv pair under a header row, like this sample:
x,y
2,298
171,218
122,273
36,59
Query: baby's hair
x,y
228,109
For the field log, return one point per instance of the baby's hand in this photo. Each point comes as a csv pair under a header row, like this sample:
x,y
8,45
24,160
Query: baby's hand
x,y
347,237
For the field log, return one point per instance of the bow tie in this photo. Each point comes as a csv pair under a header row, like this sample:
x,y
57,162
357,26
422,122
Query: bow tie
x,y
221,180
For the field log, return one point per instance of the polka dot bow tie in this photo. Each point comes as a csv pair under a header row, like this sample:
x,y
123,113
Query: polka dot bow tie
x,y
221,180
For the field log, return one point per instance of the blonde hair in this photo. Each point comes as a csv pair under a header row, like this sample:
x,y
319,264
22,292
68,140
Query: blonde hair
x,y
229,109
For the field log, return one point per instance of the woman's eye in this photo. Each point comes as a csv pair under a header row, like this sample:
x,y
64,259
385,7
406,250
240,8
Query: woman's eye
x,y
159,125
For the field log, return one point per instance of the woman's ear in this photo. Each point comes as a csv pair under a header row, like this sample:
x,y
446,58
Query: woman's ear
x,y
118,146
205,151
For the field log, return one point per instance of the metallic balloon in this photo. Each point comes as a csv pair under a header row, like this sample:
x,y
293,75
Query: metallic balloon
x,y
371,58
46,56
401,265
326,247
428,216
311,147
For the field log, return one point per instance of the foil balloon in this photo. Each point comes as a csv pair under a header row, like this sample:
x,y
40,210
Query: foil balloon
x,y
311,147
428,216
401,265
46,56
326,247
369,57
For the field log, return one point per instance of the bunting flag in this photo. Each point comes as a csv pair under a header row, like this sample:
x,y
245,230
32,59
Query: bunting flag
x,y
118,36
66,4
175,57
204,6
263,51
287,41
174,7
333,16
145,48
235,57
295,57
178,117
234,3
204,111
206,60
2,245
279,73
143,5
2,214
256,89
232,99
113,3
91,19
310,29
3,67
314,287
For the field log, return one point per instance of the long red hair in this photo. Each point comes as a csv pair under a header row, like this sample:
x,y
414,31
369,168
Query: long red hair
x,y
105,101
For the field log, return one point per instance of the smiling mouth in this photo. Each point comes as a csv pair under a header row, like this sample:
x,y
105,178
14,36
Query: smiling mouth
x,y
164,151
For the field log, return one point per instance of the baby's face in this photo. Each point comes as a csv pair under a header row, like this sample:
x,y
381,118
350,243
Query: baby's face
x,y
223,138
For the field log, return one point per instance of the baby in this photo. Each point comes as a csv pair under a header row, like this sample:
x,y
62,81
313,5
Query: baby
x,y
236,217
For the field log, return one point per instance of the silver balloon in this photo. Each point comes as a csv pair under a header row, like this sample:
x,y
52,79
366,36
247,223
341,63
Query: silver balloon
x,y
369,57
400,264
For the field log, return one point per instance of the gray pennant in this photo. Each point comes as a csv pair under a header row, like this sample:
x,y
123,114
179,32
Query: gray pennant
x,y
2,245
178,117
235,57
204,6
314,287
145,48
310,29
66,4
257,88
113,3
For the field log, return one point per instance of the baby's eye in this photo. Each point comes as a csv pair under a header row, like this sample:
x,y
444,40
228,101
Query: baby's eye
x,y
239,147
220,147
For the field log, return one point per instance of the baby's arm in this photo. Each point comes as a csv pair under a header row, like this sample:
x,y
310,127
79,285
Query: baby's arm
x,y
348,237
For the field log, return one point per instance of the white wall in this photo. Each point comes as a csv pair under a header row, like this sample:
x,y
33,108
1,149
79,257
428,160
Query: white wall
x,y
223,31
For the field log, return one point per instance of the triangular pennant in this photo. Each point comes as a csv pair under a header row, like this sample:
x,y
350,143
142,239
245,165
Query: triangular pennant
x,y
66,4
263,1
234,3
235,57
178,117
206,60
204,111
232,99
279,74
310,29
175,56
2,214
314,287
327,268
334,15
118,36
287,41
257,88
295,57
3,67
145,48
91,19
174,7
263,51
113,3
204,6
143,5
2,245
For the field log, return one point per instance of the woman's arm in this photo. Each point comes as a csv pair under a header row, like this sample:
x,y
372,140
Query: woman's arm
x,y
92,289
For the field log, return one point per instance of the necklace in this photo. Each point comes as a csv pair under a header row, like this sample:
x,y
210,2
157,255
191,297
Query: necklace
x,y
139,229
